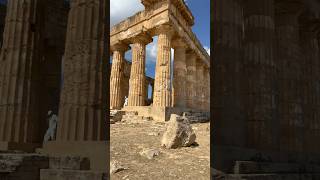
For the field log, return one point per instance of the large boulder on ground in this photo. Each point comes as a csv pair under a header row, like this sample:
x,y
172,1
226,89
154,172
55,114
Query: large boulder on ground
x,y
178,133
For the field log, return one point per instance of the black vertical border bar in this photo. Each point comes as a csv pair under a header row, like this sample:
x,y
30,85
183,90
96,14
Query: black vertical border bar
x,y
107,84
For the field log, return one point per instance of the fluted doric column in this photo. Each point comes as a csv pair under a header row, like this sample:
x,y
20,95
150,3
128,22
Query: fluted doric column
x,y
206,104
191,80
290,96
199,85
82,110
137,87
179,74
259,33
162,89
116,76
18,72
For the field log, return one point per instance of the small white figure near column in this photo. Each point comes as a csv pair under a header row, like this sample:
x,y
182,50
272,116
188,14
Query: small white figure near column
x,y
51,132
125,101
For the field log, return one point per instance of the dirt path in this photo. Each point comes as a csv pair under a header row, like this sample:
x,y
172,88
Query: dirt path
x,y
127,140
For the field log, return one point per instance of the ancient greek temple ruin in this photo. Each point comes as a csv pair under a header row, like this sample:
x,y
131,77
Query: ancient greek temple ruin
x,y
53,57
188,89
266,85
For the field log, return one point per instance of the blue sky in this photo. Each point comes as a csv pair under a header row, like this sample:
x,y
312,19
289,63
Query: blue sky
x,y
3,1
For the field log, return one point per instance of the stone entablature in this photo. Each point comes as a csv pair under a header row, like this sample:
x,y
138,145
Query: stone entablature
x,y
149,20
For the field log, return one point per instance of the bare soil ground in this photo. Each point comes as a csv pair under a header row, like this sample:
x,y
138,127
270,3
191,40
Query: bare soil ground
x,y
129,139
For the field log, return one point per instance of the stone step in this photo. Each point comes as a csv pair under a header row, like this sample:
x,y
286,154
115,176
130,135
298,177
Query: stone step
x,y
251,167
272,177
135,118
69,163
59,174
22,166
131,113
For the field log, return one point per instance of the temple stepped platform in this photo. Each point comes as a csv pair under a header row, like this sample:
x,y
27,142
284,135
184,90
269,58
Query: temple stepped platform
x,y
33,166
251,170
162,114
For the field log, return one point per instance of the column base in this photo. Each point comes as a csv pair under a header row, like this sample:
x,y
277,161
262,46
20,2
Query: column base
x,y
96,151
161,114
224,157
14,146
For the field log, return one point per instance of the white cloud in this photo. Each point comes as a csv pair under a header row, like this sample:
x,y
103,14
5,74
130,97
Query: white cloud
x,y
152,51
207,49
121,9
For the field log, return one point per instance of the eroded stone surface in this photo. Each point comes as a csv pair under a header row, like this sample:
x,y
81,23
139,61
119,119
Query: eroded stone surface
x,y
150,153
178,133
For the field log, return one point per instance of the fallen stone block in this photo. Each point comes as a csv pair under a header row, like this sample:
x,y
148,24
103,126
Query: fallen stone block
x,y
178,133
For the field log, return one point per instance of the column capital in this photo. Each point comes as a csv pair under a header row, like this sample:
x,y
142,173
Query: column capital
x,y
191,53
165,29
199,63
119,47
179,43
142,38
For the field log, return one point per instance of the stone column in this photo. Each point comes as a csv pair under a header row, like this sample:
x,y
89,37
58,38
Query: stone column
x,y
206,89
199,85
152,91
260,69
82,111
2,22
137,88
146,91
19,61
162,89
191,79
290,62
179,74
310,89
116,76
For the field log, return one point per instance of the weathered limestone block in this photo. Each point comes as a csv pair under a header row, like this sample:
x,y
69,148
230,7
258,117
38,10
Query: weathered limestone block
x,y
150,153
178,133
117,73
179,74
137,80
162,90
191,80
19,61
22,166
58,174
115,167
83,99
69,163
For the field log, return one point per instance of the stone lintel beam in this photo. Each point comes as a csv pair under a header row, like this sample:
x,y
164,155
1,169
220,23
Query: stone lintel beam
x,y
142,38
120,46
